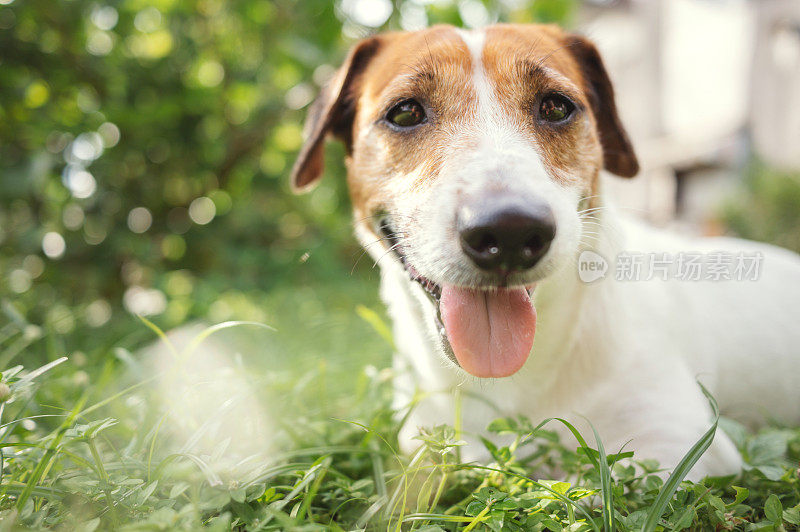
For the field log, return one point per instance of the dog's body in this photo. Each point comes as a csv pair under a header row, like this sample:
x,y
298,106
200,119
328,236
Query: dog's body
x,y
473,162
627,355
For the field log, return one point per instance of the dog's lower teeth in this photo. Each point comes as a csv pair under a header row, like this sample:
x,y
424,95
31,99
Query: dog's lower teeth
x,y
431,288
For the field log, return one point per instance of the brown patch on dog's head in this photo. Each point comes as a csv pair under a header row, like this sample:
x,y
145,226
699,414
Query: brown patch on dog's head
x,y
435,67
431,67
527,61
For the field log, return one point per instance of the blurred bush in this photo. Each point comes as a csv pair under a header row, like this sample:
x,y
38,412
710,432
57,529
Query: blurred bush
x,y
768,207
144,147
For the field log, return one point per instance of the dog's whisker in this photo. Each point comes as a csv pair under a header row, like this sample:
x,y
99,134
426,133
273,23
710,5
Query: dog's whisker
x,y
587,198
386,253
379,215
593,210
364,250
377,241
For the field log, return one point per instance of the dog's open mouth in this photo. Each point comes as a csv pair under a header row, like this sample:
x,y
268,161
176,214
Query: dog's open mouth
x,y
488,332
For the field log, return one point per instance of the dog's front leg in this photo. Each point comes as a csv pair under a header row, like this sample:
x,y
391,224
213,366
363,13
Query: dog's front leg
x,y
661,418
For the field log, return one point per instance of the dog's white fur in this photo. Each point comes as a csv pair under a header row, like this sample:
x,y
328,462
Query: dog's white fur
x,y
624,355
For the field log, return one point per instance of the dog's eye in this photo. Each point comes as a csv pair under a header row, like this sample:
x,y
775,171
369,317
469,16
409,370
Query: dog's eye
x,y
408,113
555,108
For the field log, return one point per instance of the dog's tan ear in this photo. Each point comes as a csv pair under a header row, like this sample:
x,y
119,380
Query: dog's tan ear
x,y
332,112
618,155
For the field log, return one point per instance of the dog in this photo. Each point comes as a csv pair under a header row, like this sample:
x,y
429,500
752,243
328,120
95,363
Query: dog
x,y
474,162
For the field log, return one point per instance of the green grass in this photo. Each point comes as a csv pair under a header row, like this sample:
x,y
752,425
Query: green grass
x,y
220,430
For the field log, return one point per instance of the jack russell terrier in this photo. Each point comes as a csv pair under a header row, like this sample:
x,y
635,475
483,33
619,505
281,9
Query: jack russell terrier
x,y
473,163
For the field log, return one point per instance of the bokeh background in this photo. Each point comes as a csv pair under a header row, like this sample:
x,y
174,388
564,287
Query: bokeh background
x,y
145,147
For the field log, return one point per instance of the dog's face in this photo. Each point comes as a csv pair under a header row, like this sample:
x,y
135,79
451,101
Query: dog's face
x,y
472,157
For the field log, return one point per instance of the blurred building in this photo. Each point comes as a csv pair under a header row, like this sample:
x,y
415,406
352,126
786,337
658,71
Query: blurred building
x,y
700,85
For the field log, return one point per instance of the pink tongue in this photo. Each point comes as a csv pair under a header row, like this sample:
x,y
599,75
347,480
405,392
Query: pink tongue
x,y
491,333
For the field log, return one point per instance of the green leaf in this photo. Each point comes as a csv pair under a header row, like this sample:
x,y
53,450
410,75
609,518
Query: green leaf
x,y
577,494
560,487
634,520
773,509
741,495
88,526
496,520
474,508
735,431
767,448
239,495
270,494
792,515
178,489
491,447
771,472
685,519
716,503
552,525
502,425
147,492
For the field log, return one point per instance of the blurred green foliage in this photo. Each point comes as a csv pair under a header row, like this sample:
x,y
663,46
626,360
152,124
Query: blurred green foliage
x,y
144,147
768,207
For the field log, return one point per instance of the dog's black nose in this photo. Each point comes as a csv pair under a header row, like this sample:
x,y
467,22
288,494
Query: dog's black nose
x,y
505,233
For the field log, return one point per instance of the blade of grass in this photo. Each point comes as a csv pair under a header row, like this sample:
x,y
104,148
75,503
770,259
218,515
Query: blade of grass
x,y
682,469
312,491
457,418
400,495
378,325
578,436
378,473
197,340
605,482
117,395
480,518
161,334
437,517
49,453
47,367
103,474
37,491
153,447
321,463
211,477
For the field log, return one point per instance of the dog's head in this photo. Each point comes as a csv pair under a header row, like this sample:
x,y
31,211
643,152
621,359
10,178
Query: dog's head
x,y
471,157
